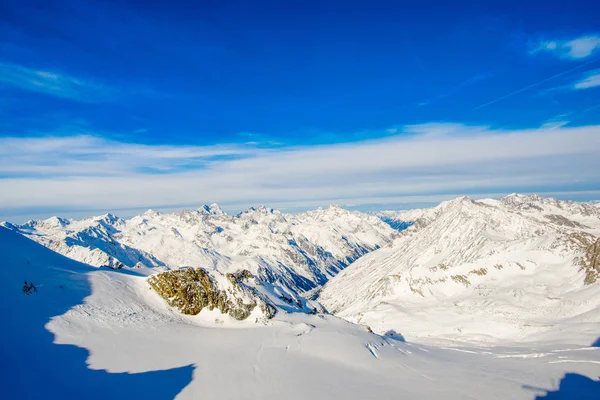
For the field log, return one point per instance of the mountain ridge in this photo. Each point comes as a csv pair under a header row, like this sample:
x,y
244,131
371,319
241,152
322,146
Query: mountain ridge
x,y
462,257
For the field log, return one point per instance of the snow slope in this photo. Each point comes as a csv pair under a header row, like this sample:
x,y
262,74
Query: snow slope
x,y
101,333
504,270
297,252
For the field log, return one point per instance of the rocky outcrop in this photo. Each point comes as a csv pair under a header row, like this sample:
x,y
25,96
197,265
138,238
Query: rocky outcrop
x,y
590,261
190,290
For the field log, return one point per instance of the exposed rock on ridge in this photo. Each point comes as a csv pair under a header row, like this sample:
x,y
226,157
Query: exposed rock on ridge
x,y
190,290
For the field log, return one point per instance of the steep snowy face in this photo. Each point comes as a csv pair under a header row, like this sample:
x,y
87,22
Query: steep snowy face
x,y
484,269
296,252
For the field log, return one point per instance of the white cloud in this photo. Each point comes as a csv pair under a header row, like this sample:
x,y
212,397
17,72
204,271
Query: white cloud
x,y
52,83
578,48
84,172
592,80
85,155
555,124
582,47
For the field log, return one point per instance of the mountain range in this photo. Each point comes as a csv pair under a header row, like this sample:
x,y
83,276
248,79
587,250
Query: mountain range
x,y
487,298
508,269
295,253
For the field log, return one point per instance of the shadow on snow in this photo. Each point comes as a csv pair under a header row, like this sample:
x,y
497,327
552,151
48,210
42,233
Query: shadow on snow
x,y
574,386
35,367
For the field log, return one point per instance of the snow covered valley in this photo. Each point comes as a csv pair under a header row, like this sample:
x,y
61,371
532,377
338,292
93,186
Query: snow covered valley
x,y
361,310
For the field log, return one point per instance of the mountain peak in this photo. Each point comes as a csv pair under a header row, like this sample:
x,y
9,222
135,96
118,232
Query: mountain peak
x,y
521,198
150,213
56,221
459,201
465,199
261,209
213,209
108,218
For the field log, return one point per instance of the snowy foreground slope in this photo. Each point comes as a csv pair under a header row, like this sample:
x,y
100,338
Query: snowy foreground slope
x,y
101,333
519,269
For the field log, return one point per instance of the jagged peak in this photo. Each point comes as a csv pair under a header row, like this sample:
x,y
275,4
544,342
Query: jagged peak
x,y
535,199
464,199
459,201
57,221
151,213
52,222
261,209
538,203
32,223
108,218
338,210
332,208
516,197
213,208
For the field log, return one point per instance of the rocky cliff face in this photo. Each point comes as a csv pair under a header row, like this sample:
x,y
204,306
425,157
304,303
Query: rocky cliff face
x,y
589,261
190,290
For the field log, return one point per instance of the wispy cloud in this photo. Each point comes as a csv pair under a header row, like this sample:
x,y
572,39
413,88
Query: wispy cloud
x,y
86,155
455,89
586,80
591,80
578,48
52,83
85,172
536,84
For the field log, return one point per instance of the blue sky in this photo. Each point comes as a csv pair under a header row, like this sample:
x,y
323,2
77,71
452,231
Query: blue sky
x,y
120,106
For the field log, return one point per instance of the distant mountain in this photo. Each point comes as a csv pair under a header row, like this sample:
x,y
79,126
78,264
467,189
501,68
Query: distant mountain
x,y
295,253
487,269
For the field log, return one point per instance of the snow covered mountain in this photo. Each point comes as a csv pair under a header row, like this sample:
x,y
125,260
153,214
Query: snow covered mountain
x,y
487,270
296,252
99,333
511,269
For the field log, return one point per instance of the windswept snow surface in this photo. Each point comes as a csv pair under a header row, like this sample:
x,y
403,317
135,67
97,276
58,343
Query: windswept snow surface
x,y
487,271
101,333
